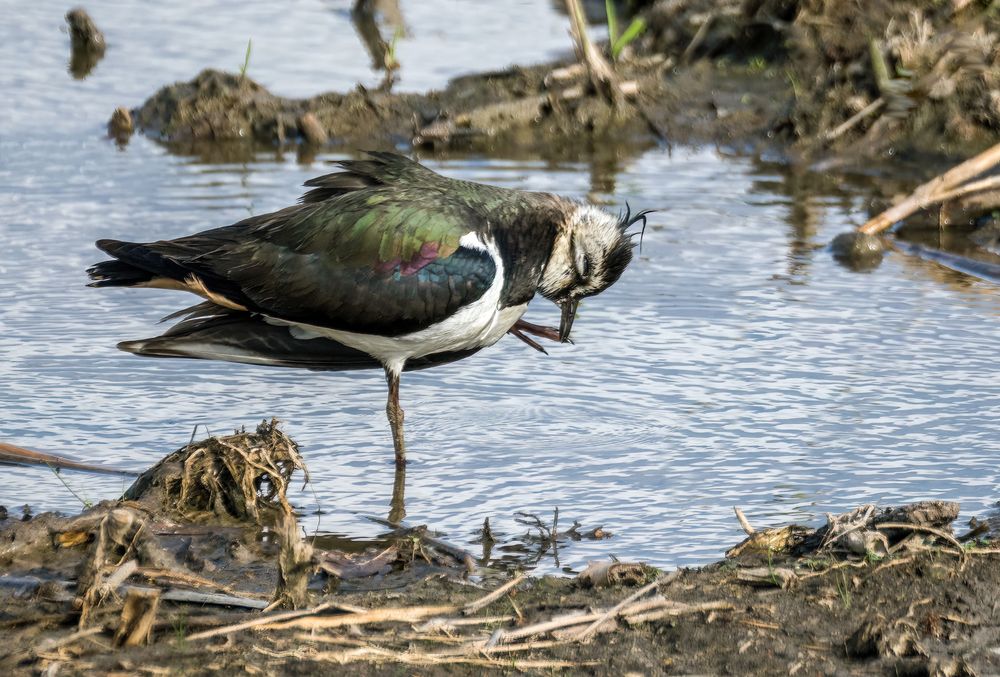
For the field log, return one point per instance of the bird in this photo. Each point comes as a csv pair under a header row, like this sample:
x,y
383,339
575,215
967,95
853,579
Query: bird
x,y
384,263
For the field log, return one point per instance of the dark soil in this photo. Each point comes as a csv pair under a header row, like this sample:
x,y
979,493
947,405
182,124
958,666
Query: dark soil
x,y
886,591
788,75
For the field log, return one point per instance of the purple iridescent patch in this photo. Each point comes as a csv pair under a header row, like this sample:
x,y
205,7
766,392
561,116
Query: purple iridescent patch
x,y
428,252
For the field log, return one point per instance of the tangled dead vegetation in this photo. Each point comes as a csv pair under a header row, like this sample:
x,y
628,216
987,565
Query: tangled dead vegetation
x,y
864,78
241,477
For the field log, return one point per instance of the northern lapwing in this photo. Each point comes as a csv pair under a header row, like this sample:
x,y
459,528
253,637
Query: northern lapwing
x,y
385,263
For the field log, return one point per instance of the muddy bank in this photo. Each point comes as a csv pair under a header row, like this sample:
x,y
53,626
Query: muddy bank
x,y
198,568
806,77
513,108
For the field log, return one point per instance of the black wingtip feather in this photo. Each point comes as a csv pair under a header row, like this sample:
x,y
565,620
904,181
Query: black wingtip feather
x,y
116,274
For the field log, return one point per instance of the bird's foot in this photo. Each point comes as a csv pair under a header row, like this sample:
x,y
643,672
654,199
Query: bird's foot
x,y
527,339
521,328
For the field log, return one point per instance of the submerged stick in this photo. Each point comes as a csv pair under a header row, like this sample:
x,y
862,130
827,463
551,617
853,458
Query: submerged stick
x,y
962,264
934,191
14,454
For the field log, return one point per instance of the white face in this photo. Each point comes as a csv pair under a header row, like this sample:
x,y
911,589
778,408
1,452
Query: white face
x,y
588,256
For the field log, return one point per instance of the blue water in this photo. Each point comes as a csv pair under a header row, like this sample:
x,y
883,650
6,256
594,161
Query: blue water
x,y
735,363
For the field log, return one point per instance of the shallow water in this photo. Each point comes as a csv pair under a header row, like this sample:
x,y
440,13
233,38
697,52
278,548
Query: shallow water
x,y
735,363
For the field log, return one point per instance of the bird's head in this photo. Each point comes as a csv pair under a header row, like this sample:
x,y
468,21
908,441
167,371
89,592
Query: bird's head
x,y
590,253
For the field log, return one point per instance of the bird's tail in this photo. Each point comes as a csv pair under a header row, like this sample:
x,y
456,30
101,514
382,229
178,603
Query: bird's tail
x,y
211,332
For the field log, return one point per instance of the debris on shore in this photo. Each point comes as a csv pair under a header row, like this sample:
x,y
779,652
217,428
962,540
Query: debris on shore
x,y
806,78
87,43
190,569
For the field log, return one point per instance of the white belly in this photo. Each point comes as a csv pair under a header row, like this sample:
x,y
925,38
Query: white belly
x,y
462,331
477,325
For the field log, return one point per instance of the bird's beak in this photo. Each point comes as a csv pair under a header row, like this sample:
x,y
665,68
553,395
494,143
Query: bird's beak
x,y
568,315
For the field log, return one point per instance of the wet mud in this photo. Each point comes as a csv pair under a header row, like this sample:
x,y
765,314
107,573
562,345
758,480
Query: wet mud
x,y
808,77
202,566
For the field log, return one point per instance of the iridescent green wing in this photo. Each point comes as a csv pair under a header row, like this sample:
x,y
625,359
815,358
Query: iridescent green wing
x,y
376,261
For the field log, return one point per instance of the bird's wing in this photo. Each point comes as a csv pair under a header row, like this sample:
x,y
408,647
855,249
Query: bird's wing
x,y
380,169
371,261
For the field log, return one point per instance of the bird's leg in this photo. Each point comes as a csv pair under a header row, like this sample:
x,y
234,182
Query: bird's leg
x,y
397,507
394,412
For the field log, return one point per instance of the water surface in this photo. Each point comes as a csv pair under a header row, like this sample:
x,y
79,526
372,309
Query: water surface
x,y
735,363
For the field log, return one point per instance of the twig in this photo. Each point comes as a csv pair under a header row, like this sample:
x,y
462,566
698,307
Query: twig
x,y
387,615
678,610
834,567
378,655
260,620
588,632
56,642
186,578
979,186
14,454
699,37
744,522
575,618
195,597
446,624
926,529
847,125
931,192
506,648
602,77
493,596
891,563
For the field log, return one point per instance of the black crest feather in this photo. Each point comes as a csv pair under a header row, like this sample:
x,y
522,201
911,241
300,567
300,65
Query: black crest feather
x,y
627,220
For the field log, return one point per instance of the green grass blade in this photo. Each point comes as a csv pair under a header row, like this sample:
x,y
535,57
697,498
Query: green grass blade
x,y
246,59
633,31
609,10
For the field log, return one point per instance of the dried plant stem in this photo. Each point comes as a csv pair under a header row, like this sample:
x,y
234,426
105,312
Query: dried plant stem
x,y
260,620
934,191
602,77
590,630
493,596
744,522
387,615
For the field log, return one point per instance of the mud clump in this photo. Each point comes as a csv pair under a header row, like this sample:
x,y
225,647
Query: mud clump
x,y
215,106
86,42
516,107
